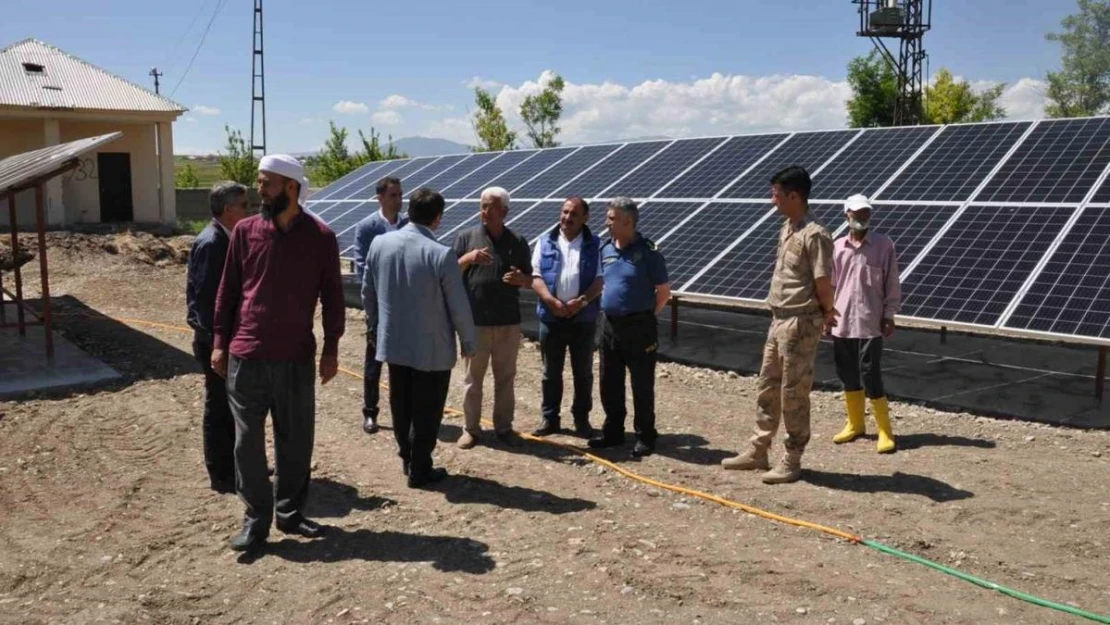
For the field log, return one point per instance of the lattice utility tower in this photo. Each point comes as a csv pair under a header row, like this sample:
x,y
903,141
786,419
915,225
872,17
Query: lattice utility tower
x,y
907,21
258,84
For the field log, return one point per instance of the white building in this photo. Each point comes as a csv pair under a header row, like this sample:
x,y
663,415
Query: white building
x,y
47,97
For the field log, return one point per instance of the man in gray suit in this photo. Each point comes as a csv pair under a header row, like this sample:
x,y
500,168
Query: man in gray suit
x,y
412,293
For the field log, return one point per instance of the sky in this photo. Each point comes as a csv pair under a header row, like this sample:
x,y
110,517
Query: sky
x,y
633,68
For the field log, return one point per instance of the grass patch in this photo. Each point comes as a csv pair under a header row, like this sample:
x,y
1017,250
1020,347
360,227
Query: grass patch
x,y
191,226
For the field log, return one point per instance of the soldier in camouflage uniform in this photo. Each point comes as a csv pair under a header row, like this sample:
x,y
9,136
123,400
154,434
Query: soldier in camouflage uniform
x,y
801,302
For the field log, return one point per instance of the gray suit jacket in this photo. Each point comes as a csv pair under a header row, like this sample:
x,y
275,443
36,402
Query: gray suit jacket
x,y
412,292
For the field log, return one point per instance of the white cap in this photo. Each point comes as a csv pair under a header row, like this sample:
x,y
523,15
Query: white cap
x,y
857,202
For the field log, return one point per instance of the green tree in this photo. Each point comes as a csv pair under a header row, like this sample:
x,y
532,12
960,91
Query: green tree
x,y
489,124
372,149
874,91
239,163
1082,86
541,113
948,101
334,160
186,177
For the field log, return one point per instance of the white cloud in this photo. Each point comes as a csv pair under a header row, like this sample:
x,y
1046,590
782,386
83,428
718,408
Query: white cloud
x,y
476,81
308,121
715,105
347,107
397,101
190,119
387,118
200,109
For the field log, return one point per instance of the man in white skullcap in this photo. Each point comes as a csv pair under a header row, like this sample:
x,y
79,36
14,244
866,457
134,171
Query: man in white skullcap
x,y
868,293
279,263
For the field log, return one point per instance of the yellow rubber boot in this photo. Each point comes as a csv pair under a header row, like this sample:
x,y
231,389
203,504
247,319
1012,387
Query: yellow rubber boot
x,y
855,427
881,409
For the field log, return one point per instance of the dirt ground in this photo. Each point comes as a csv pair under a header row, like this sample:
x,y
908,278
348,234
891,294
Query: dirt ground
x,y
105,515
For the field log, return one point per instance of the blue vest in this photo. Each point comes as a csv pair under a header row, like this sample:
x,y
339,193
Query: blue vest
x,y
551,264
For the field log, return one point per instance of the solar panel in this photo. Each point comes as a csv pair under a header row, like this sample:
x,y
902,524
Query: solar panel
x,y
456,217
369,184
866,164
534,220
344,186
646,180
1072,293
744,272
808,149
529,169
546,183
422,177
720,167
1057,162
695,243
344,217
479,179
976,268
323,208
955,163
608,171
909,226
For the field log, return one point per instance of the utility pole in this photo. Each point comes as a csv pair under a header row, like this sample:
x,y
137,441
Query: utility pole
x,y
154,72
258,83
907,21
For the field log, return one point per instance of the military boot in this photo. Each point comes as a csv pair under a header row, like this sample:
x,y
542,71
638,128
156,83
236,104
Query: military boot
x,y
788,469
755,458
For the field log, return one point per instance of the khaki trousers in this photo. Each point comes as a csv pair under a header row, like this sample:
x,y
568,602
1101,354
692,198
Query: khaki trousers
x,y
785,381
499,346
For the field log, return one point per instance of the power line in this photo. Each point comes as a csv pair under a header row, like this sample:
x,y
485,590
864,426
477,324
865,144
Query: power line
x,y
219,5
173,51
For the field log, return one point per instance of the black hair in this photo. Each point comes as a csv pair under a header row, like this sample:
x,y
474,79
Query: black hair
x,y
793,178
425,206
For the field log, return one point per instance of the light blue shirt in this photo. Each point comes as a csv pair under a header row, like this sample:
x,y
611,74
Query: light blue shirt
x,y
413,294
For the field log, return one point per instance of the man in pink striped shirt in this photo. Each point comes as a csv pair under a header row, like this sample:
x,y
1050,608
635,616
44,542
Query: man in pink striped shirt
x,y
865,276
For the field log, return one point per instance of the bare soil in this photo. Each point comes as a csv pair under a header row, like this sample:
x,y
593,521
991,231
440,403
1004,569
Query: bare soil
x,y
105,515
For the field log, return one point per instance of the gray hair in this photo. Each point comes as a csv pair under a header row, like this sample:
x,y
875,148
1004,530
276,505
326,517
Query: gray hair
x,y
498,192
626,206
224,193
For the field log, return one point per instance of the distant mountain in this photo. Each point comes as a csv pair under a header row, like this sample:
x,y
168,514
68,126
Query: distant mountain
x,y
428,146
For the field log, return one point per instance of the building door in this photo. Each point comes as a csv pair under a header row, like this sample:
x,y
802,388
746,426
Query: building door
x,y
114,173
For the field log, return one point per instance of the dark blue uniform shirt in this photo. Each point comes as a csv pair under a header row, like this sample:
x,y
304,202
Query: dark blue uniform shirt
x,y
631,275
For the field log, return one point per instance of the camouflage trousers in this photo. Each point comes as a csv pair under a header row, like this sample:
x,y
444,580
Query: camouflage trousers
x,y
785,380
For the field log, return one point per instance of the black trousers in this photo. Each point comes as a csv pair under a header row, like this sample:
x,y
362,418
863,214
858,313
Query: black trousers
x,y
555,339
287,391
218,426
630,342
371,380
416,400
858,365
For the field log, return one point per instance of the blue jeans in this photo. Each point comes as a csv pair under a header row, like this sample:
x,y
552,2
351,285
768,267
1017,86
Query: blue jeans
x,y
555,339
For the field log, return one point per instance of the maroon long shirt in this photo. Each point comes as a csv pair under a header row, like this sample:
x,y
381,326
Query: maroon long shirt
x,y
267,298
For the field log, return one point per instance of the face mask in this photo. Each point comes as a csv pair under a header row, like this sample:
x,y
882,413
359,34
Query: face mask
x,y
857,225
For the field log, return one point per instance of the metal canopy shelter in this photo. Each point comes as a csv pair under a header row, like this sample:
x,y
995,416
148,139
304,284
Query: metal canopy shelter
x,y
32,170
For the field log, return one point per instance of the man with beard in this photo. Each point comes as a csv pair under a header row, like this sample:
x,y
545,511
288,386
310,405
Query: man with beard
x,y
278,264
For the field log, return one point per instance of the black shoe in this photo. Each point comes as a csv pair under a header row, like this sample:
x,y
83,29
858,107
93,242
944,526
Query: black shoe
x,y
252,544
405,466
370,425
509,439
547,427
583,429
224,487
431,477
642,449
601,442
303,527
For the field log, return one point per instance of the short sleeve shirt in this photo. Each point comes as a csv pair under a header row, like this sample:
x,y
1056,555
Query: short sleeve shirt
x,y
631,275
492,301
805,253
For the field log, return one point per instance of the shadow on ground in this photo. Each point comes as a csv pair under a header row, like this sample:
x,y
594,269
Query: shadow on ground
x,y
906,483
330,499
471,489
446,553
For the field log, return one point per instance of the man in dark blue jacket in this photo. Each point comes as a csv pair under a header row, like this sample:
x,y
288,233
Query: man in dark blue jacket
x,y
567,278
228,202
386,219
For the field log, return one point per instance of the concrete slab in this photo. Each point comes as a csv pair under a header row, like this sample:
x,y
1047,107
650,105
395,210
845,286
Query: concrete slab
x,y
24,367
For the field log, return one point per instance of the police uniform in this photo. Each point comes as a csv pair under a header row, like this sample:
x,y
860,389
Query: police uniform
x,y
786,376
629,337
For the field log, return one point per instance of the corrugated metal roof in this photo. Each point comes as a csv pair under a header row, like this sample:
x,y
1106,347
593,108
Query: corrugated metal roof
x,y
37,75
21,168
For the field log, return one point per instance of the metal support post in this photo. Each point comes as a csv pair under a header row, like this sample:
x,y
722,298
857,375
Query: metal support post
x,y
674,318
15,255
1100,375
40,225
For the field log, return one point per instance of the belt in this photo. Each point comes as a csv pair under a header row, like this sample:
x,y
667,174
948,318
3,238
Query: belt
x,y
780,313
630,316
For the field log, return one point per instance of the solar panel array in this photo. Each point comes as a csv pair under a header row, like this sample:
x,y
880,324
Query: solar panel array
x,y
1002,225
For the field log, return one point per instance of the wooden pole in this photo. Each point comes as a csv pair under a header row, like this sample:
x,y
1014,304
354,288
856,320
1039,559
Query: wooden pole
x,y
40,224
18,276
